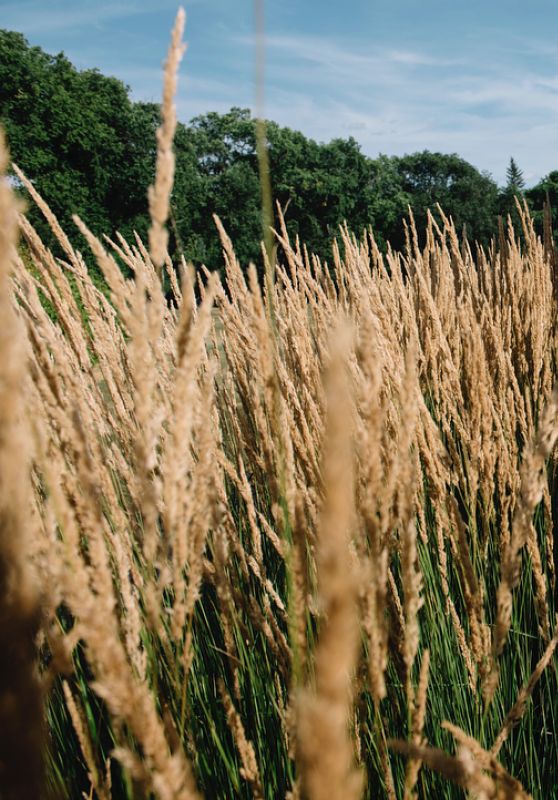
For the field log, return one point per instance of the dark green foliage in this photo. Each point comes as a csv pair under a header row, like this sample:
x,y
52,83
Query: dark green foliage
x,y
470,197
511,193
547,188
514,176
319,185
390,200
87,148
90,150
217,173
545,193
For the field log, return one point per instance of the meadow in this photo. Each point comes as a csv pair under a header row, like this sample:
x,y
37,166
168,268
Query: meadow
x,y
290,540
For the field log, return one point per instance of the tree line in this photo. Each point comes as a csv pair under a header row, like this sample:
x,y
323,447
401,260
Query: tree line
x,y
90,150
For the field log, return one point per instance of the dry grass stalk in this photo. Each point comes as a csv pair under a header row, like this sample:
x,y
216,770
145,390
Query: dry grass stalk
x,y
472,768
325,750
457,769
506,785
80,727
518,709
249,771
164,460
418,719
269,405
21,714
533,478
209,442
159,193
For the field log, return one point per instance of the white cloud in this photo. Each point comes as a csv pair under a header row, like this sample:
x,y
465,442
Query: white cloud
x,y
390,99
416,59
395,100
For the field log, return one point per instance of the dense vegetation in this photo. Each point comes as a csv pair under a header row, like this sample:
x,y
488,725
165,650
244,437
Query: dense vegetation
x,y
236,561
296,544
90,150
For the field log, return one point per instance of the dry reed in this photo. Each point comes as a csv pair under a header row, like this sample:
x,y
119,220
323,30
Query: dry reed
x,y
21,714
238,555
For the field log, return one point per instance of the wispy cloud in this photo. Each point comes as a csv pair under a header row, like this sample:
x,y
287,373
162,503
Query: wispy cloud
x,y
36,17
417,59
484,85
397,100
357,60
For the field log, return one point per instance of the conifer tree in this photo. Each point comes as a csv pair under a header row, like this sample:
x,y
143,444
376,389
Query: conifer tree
x,y
516,181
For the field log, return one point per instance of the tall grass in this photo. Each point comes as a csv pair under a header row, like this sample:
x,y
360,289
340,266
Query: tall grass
x,y
308,554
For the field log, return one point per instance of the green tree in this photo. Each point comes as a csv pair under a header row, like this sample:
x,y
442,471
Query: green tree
x,y
514,176
221,148
390,201
512,191
545,192
88,149
469,196
320,185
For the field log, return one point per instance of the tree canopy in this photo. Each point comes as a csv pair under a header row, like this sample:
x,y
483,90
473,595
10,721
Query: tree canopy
x,y
87,148
90,150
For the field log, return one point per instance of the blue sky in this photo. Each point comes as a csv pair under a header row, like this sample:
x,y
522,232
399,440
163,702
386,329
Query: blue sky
x,y
476,78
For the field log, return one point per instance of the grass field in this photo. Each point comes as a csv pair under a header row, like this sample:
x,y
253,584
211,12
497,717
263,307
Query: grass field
x,y
284,543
